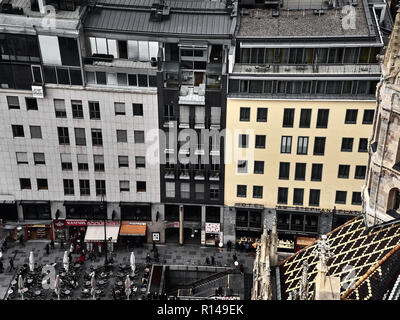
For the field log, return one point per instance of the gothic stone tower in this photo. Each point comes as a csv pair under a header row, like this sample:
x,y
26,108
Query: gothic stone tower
x,y
382,190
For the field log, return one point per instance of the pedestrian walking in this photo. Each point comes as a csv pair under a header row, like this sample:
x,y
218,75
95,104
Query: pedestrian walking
x,y
11,261
234,257
207,261
241,268
71,248
1,267
47,249
154,246
229,245
21,240
52,246
70,257
114,294
61,244
212,260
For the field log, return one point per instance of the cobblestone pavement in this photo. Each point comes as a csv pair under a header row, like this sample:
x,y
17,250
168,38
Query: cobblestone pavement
x,y
171,254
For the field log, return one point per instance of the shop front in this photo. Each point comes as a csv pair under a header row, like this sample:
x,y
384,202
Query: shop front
x,y
298,222
85,210
132,233
97,234
40,231
75,228
286,242
212,234
248,228
172,231
302,242
59,230
36,210
8,208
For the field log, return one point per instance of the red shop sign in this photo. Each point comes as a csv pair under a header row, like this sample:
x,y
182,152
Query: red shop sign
x,y
101,223
59,224
79,223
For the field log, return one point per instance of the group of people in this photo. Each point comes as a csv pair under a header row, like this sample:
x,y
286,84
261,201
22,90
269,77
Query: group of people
x,y
246,246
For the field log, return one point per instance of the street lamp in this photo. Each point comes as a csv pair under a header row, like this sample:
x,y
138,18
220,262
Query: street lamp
x,y
105,228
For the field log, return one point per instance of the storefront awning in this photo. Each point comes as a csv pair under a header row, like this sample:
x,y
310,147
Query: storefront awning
x,y
96,233
132,229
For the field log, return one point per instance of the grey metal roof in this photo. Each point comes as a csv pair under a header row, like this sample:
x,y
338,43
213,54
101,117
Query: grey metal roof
x,y
131,21
185,4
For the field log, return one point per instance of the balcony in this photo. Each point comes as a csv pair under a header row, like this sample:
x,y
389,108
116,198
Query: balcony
x,y
169,173
184,174
307,69
192,95
199,174
214,175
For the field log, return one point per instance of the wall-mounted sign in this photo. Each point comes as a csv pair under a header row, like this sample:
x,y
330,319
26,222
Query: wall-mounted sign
x,y
101,223
59,224
156,236
203,237
174,224
74,223
212,227
38,92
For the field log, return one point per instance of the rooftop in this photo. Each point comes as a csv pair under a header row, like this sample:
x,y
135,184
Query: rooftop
x,y
259,23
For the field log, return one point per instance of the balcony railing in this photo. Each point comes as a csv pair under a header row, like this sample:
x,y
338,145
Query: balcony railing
x,y
214,175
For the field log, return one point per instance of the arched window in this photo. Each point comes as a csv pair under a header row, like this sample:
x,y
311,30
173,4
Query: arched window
x,y
393,203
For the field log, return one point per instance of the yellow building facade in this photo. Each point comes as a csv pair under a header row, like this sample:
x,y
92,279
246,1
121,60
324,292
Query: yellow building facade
x,y
273,129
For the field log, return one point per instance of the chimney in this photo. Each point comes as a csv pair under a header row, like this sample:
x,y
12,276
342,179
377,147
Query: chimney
x,y
42,6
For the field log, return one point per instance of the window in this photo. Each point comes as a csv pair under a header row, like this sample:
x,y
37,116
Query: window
x,y
286,144
101,77
42,184
122,79
368,117
356,198
98,162
94,110
138,136
100,187
124,185
59,107
322,118
298,196
363,145
288,118
257,192
262,114
284,170
36,132
119,108
63,135
142,80
83,163
22,157
13,102
242,166
199,191
344,170
260,141
140,162
39,158
305,118
123,161
137,109
347,144
302,145
314,197
84,187
132,80
351,116
185,190
316,172
300,172
31,103
259,167
341,197
97,137
68,187
122,136
66,163
25,183
244,114
77,109
18,131
170,189
214,191
241,191
360,172
80,136
243,140
319,146
140,186
282,195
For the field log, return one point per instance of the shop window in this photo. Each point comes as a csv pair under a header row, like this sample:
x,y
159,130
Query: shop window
x,y
242,218
255,219
311,224
297,222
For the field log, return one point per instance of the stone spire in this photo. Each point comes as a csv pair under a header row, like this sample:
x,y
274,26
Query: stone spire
x,y
304,281
391,62
273,250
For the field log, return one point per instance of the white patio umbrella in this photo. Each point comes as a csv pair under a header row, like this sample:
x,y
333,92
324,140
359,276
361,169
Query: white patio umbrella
x,y
31,261
57,288
66,261
128,287
21,286
93,284
133,263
